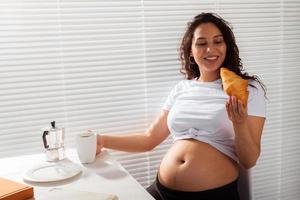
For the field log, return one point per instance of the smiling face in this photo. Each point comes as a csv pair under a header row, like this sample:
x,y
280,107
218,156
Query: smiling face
x,y
208,49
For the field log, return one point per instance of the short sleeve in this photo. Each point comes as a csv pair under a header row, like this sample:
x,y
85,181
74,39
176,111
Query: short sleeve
x,y
256,100
172,96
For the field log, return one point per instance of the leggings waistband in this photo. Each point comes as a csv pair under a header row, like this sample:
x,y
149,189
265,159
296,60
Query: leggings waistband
x,y
223,192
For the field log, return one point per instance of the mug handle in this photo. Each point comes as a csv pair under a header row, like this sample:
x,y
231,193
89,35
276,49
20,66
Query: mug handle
x,y
44,139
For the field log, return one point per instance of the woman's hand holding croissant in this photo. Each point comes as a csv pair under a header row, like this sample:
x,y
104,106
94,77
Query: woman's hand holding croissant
x,y
236,112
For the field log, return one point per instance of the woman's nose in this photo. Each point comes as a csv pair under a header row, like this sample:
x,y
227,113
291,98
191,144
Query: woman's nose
x,y
210,48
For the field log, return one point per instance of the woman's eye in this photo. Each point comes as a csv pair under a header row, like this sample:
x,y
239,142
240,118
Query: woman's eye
x,y
219,41
200,44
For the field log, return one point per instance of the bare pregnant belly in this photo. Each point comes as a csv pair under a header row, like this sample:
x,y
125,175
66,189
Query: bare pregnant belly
x,y
191,165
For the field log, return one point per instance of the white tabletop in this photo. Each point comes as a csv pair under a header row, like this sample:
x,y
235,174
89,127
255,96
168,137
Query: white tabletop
x,y
105,175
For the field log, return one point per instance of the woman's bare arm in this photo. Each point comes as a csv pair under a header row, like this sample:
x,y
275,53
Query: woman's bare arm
x,y
248,131
138,142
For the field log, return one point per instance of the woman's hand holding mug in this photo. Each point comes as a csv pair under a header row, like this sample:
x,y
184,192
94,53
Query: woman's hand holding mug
x,y
99,144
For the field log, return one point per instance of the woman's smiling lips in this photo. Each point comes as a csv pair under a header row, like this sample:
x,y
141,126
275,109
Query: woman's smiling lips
x,y
211,57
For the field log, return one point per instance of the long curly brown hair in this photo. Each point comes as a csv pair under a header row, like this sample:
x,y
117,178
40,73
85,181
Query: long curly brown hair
x,y
232,60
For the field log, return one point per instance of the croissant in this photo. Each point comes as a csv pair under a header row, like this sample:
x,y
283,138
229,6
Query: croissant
x,y
234,85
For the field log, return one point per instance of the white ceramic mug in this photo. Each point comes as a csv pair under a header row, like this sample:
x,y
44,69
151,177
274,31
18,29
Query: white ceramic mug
x,y
86,145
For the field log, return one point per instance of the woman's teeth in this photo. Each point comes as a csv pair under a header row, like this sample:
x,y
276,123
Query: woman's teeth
x,y
212,58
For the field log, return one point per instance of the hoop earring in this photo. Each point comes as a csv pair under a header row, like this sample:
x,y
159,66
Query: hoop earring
x,y
192,60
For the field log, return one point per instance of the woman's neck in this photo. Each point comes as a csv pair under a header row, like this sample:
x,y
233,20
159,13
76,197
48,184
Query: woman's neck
x,y
208,78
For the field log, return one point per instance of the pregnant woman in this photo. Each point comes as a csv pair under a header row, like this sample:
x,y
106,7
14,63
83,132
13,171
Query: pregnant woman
x,y
213,132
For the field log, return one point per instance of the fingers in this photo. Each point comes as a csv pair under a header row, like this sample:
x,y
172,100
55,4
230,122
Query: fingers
x,y
229,109
233,107
235,110
240,108
99,144
98,149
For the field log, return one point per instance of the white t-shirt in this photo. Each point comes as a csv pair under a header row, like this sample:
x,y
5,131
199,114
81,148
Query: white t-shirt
x,y
197,110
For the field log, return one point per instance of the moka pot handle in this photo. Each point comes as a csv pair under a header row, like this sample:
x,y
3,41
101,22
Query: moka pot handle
x,y
45,140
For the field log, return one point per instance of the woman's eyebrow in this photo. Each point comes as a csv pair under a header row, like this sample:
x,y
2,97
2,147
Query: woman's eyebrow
x,y
201,38
204,38
218,36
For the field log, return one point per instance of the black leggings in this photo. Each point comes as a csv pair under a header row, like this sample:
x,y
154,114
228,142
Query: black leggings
x,y
226,192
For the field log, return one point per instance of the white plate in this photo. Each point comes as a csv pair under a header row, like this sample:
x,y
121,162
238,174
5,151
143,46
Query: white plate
x,y
52,171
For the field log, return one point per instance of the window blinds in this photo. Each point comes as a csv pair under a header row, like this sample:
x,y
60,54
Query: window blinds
x,y
80,63
290,109
109,65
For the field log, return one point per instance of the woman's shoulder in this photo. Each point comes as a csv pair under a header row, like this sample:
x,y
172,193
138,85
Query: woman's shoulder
x,y
255,85
183,83
255,88
257,100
